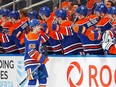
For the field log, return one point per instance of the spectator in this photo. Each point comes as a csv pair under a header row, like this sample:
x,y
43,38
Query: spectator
x,y
74,7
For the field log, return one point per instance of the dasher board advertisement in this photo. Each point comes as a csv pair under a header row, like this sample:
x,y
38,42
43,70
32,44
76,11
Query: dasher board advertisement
x,y
69,71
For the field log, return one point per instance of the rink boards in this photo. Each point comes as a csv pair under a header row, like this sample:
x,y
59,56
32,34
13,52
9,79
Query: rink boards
x,y
64,71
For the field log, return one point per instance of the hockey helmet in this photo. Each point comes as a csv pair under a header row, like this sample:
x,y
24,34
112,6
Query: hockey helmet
x,y
101,8
61,13
45,11
5,12
34,23
112,10
33,15
14,14
82,10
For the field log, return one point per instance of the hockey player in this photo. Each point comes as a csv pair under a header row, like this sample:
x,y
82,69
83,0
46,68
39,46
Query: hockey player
x,y
71,43
23,15
103,25
17,29
45,14
53,44
90,47
7,41
109,36
5,21
34,56
25,23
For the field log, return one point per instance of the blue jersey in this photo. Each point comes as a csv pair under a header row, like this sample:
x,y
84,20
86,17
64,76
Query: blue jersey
x,y
30,45
34,56
33,52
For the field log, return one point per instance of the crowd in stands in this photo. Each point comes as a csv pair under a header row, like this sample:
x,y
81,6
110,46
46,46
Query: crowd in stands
x,y
72,28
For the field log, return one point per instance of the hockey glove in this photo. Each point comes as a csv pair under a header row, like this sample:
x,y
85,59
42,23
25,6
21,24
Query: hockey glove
x,y
79,29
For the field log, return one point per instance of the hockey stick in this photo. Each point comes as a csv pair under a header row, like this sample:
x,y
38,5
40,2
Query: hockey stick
x,y
46,60
28,75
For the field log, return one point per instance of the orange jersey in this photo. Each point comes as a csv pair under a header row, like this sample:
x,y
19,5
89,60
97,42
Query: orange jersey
x,y
32,36
65,28
24,19
66,23
19,28
14,26
6,27
7,24
49,22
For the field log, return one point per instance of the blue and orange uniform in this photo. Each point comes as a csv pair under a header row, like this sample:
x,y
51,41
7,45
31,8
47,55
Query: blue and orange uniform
x,y
104,23
33,56
53,45
15,32
8,43
71,43
89,47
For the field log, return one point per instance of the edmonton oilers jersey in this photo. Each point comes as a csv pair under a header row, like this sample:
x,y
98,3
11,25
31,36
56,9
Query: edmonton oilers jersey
x,y
89,46
30,46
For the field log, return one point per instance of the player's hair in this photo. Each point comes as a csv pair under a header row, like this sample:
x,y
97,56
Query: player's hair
x,y
24,12
112,4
